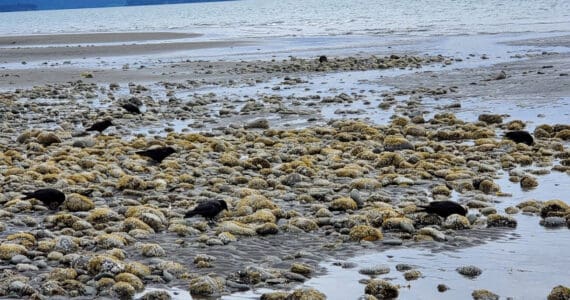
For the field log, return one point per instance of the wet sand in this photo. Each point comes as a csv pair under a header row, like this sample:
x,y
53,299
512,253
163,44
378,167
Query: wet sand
x,y
222,99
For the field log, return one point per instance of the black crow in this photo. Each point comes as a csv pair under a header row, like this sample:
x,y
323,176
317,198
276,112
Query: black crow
x,y
444,208
520,136
157,154
208,209
100,126
132,108
52,198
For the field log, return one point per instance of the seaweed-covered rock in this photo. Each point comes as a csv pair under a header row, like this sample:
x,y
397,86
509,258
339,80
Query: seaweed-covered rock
x,y
306,294
206,286
484,295
375,270
456,222
528,182
152,250
48,138
123,290
412,275
236,228
305,224
399,224
554,208
496,220
397,143
381,289
343,203
469,271
8,250
365,232
301,268
559,293
77,202
131,279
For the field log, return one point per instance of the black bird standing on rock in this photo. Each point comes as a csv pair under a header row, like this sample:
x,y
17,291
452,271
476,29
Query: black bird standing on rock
x,y
444,208
520,136
52,198
132,108
208,209
157,154
100,126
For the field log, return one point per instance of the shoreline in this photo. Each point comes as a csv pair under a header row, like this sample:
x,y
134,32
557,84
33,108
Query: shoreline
x,y
91,38
236,123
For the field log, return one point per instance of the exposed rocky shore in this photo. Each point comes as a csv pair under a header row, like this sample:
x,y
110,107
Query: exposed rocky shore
x,y
296,195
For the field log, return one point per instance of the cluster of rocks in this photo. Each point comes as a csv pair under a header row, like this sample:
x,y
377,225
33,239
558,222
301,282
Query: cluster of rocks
x,y
339,184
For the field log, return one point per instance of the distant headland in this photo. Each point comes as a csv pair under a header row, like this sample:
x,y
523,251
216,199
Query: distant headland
x,y
23,5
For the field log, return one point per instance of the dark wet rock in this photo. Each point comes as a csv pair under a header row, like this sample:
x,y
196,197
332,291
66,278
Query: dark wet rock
x,y
469,271
553,222
258,124
404,267
392,242
375,270
520,136
84,142
293,276
237,287
484,295
442,288
123,290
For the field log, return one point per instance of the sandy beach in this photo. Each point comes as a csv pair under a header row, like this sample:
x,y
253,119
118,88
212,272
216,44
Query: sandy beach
x,y
320,162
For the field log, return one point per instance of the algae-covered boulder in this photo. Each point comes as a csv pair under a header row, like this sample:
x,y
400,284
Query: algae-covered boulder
x,y
236,228
381,289
397,143
496,220
305,224
484,295
343,203
131,279
399,224
152,250
77,202
301,268
8,250
554,208
456,222
306,294
48,138
207,286
365,232
559,293
123,290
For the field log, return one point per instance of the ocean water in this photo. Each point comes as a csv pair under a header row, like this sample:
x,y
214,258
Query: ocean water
x,y
294,18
